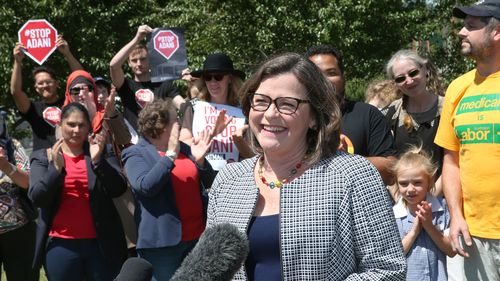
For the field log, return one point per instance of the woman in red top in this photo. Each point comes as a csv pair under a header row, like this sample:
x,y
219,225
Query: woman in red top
x,y
79,232
169,181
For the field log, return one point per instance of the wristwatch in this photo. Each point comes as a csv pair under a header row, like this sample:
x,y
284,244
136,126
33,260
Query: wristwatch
x,y
171,154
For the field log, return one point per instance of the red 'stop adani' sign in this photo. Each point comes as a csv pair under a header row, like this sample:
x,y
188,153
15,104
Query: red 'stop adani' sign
x,y
166,43
39,39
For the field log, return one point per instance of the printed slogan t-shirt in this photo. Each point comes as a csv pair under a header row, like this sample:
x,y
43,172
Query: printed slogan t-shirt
x,y
43,118
135,95
470,124
223,149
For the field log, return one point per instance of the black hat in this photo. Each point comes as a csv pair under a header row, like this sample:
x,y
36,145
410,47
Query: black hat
x,y
483,8
218,62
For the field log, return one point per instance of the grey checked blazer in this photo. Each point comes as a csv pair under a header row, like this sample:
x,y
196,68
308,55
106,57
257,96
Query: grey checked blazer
x,y
336,220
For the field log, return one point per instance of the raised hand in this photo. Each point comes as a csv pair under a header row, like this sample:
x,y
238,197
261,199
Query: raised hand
x,y
221,123
18,52
201,146
142,31
62,45
173,142
97,143
56,156
238,136
110,102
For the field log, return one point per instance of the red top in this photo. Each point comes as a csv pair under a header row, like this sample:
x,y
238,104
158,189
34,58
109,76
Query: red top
x,y
186,184
73,219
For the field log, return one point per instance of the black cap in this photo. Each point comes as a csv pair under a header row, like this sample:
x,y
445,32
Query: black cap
x,y
483,8
102,81
218,62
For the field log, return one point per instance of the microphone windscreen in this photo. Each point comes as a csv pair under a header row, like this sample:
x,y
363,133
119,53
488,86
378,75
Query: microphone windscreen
x,y
135,269
218,255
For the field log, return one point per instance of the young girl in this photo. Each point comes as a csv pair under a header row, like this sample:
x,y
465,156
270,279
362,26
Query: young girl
x,y
421,217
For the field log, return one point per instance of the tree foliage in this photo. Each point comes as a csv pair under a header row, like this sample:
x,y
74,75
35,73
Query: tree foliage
x,y
367,32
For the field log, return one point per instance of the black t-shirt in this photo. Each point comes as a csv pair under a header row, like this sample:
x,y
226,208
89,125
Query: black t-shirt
x,y
43,118
367,130
135,95
423,136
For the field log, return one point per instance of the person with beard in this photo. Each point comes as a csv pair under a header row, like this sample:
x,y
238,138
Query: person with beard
x,y
364,129
469,132
43,115
137,92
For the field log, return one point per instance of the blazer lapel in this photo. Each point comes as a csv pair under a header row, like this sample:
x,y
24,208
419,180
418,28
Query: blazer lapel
x,y
91,177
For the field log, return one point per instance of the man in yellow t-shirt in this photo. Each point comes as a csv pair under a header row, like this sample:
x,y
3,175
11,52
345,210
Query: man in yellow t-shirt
x,y
469,131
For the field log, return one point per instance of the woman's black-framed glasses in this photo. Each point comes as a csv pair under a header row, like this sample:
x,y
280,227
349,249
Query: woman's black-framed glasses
x,y
412,74
284,105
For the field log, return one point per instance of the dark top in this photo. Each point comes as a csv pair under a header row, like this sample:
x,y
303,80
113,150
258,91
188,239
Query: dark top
x,y
263,261
156,211
105,181
367,129
423,134
134,95
43,128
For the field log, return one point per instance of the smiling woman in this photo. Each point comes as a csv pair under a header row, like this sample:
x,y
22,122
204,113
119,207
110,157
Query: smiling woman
x,y
299,190
217,106
415,117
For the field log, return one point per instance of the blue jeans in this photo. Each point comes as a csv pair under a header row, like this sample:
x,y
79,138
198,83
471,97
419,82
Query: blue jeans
x,y
166,260
77,260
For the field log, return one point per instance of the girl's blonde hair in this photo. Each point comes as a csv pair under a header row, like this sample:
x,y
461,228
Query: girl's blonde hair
x,y
415,156
385,90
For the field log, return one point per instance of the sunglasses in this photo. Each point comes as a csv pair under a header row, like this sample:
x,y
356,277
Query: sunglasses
x,y
217,77
411,74
76,90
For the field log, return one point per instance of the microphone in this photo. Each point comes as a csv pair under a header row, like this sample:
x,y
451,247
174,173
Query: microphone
x,y
135,269
217,256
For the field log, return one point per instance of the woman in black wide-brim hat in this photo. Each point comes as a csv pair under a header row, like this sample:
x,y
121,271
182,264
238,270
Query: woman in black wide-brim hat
x,y
218,85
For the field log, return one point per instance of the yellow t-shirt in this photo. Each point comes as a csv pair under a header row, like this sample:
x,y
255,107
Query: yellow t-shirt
x,y
470,124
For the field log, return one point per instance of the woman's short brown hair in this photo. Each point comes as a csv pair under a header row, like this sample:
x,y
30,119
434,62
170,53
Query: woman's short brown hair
x,y
154,117
323,140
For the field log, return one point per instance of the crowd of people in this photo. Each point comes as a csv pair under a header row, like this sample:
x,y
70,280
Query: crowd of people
x,y
324,188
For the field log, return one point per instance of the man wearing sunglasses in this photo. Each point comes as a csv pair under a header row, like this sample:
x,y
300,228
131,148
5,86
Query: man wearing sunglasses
x,y
43,115
365,131
469,131
136,93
